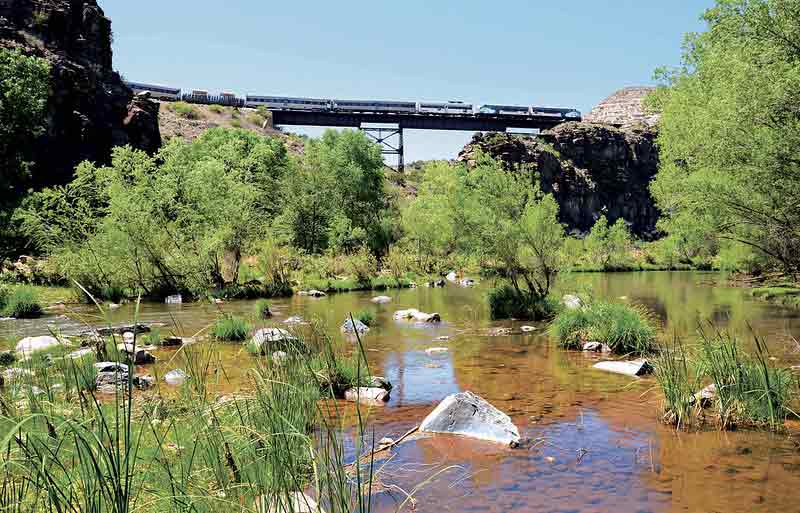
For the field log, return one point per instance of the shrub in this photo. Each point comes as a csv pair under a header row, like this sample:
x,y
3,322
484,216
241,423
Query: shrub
x,y
506,303
625,328
262,309
236,123
365,316
184,110
216,109
7,358
275,264
22,303
231,329
362,266
255,119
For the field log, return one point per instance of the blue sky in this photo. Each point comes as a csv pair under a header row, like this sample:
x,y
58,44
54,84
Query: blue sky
x,y
566,53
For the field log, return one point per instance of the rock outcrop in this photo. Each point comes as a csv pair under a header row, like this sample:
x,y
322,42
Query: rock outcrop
x,y
625,108
90,110
591,169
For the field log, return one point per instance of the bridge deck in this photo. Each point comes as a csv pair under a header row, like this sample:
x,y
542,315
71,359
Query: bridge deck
x,y
466,122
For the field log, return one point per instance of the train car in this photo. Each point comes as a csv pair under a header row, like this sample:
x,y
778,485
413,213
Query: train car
x,y
554,112
156,91
510,110
286,103
374,106
444,108
230,99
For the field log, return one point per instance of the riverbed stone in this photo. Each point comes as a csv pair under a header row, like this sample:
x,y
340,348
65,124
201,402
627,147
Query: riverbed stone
x,y
436,350
706,396
367,395
108,331
295,319
632,368
144,381
528,329
176,377
354,327
272,336
571,302
295,502
30,345
138,355
596,347
467,282
469,415
175,299
380,382
452,276
80,353
381,300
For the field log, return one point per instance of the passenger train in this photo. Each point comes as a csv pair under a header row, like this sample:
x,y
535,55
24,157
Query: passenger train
x,y
356,106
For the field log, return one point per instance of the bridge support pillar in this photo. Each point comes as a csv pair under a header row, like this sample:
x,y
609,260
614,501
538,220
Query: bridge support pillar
x,y
390,140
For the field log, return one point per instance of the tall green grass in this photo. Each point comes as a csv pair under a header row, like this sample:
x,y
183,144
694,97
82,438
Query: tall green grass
x,y
231,329
506,303
626,329
21,302
202,450
750,390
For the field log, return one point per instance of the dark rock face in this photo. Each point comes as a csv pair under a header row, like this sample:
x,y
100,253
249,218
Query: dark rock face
x,y
90,110
591,169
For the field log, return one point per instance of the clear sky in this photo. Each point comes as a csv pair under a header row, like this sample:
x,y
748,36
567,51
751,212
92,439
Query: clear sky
x,y
562,53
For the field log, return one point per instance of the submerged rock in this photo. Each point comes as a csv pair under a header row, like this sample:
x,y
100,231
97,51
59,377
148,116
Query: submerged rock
x,y
312,293
379,382
354,327
452,276
367,395
176,341
381,300
469,415
528,329
413,313
272,335
110,375
29,345
296,319
467,282
632,368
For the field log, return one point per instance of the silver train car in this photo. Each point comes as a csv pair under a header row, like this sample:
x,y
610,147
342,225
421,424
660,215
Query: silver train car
x,y
280,102
373,106
160,92
452,107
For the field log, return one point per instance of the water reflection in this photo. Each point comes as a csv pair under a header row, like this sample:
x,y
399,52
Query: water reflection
x,y
629,461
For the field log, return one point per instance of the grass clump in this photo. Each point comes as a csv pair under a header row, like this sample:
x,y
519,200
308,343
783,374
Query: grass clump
x,y
747,389
626,329
231,329
506,303
216,109
365,316
262,309
20,302
184,110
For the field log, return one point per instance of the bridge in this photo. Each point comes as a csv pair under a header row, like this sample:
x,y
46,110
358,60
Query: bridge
x,y
390,134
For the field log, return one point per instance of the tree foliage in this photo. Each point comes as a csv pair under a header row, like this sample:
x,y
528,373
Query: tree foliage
x,y
24,88
730,133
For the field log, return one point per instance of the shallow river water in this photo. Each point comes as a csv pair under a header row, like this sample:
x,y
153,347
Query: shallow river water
x,y
599,446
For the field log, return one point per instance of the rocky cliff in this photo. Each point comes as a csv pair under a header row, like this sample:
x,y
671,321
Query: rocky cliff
x,y
624,108
90,110
591,169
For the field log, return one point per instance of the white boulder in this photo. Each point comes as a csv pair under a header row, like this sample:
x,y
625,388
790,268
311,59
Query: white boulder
x,y
367,395
631,368
29,345
468,415
381,300
571,302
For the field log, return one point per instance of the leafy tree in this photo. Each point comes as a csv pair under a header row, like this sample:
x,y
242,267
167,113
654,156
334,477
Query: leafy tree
x,y
608,247
176,222
336,197
24,88
730,131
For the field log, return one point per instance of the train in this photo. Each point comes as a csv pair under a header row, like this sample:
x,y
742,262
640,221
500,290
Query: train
x,y
453,107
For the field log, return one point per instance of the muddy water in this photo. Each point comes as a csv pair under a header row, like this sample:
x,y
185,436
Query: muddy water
x,y
598,445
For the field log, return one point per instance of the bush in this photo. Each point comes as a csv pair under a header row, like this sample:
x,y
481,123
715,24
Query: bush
x,y
362,266
365,316
216,109
624,328
7,358
506,303
184,110
20,302
275,263
231,329
262,309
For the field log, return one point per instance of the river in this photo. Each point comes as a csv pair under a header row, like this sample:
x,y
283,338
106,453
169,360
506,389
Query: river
x,y
599,445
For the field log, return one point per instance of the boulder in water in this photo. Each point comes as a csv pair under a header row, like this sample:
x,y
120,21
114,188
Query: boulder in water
x,y
469,415
354,327
367,395
631,368
381,300
176,377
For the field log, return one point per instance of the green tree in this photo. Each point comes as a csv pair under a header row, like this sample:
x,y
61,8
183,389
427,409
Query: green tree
x,y
24,88
730,131
609,247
